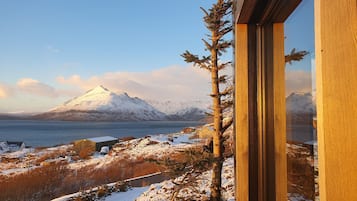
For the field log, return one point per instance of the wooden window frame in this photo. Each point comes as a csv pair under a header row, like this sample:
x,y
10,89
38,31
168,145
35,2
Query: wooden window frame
x,y
259,98
260,118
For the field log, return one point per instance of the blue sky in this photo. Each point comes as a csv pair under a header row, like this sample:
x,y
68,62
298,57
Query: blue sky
x,y
299,34
91,37
53,50
46,45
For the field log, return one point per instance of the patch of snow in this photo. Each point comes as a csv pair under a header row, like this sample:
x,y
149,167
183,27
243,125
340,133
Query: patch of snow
x,y
158,145
129,195
4,147
19,154
163,190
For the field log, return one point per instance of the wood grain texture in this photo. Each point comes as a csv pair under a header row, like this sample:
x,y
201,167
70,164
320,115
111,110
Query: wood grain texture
x,y
279,113
336,69
241,112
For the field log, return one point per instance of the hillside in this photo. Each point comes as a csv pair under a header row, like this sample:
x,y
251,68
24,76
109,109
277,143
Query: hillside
x,y
101,104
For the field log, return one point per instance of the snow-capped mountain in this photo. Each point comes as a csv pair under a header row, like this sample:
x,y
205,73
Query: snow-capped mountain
x,y
188,114
300,103
182,110
175,107
300,108
100,104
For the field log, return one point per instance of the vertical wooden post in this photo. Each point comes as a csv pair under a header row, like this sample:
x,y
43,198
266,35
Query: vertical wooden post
x,y
241,113
336,82
279,113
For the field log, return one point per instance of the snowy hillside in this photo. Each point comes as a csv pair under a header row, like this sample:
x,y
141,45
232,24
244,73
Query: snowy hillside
x,y
101,104
175,107
182,110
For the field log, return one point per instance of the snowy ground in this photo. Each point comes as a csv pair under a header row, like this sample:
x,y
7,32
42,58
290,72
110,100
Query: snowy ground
x,y
155,145
163,191
30,158
130,195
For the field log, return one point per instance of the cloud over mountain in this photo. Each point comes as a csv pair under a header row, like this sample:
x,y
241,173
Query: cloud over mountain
x,y
298,81
36,87
172,83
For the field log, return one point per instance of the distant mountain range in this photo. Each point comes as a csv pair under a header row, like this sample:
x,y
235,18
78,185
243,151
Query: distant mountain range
x,y
300,108
101,104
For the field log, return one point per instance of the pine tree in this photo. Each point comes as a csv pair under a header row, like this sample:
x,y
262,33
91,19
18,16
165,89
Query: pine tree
x,y
218,21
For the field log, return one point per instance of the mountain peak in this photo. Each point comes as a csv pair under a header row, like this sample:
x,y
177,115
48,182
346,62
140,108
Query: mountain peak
x,y
99,89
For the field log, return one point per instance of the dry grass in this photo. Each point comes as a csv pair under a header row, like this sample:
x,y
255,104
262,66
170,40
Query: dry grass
x,y
55,179
38,184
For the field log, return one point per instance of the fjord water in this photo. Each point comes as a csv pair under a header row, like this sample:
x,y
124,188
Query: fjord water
x,y
50,133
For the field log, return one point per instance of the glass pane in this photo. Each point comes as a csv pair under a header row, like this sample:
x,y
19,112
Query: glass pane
x,y
300,103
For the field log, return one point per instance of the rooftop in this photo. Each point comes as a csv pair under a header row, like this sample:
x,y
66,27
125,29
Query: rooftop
x,y
102,139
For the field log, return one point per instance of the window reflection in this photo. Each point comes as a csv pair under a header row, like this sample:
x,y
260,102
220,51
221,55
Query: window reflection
x,y
300,104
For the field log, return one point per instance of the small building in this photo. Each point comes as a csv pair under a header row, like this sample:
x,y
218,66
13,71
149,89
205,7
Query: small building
x,y
96,143
103,141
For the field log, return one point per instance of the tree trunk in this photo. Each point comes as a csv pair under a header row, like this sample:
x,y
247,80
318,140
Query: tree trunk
x,y
217,124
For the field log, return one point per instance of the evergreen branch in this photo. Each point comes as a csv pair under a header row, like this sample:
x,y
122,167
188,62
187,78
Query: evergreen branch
x,y
226,104
227,125
205,11
222,79
223,65
225,30
208,46
191,58
224,45
295,56
208,114
227,91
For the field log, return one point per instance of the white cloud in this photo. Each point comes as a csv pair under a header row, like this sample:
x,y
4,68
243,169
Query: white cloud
x,y
170,83
298,81
5,91
35,87
31,95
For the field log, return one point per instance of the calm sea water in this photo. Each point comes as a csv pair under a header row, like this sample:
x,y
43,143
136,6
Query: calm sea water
x,y
50,133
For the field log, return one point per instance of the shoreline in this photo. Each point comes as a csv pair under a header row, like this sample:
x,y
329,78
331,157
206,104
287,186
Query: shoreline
x,y
51,133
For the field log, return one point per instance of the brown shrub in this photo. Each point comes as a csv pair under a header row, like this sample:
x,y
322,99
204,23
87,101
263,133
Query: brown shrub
x,y
188,130
85,152
86,145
